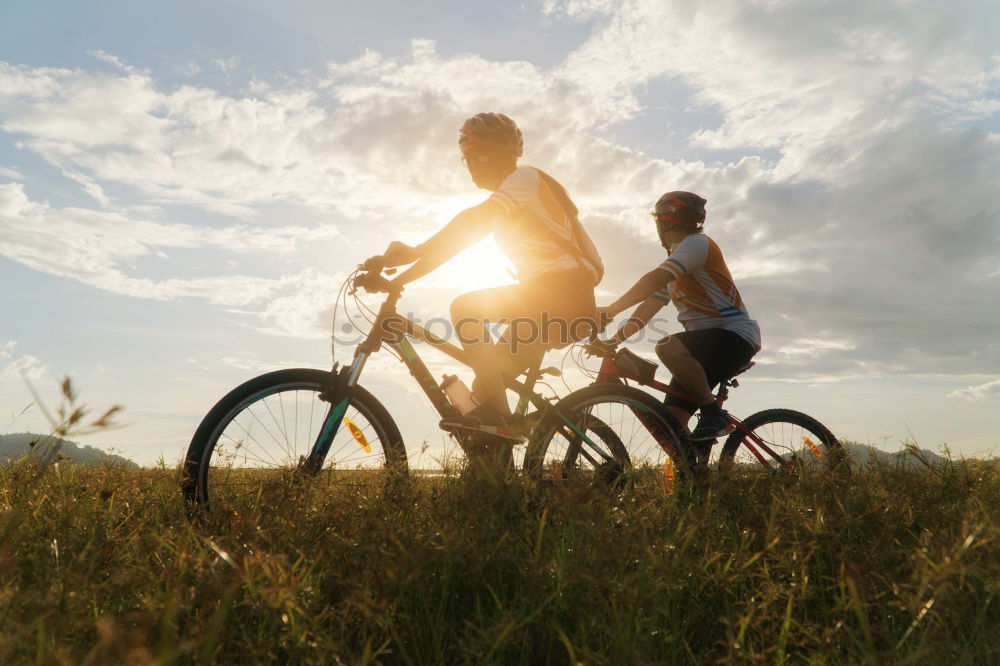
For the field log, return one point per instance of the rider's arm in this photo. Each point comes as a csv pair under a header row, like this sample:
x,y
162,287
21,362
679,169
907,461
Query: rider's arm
x,y
640,317
648,284
469,226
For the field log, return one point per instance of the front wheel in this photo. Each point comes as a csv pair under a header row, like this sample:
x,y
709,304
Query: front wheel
x,y
781,440
253,446
606,433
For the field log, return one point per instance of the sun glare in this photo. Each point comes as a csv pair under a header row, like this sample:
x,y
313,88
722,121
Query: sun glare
x,y
480,266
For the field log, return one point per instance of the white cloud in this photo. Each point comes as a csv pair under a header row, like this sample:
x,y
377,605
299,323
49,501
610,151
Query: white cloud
x,y
840,232
113,60
96,248
188,69
580,10
791,74
254,365
226,64
856,195
377,143
976,393
14,365
812,347
90,187
303,307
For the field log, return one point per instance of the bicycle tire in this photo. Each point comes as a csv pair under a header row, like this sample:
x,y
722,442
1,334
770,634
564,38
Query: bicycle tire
x,y
518,452
785,432
610,473
387,450
602,402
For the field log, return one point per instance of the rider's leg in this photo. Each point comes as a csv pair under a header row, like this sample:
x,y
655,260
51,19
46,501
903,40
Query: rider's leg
x,y
683,416
717,354
492,362
559,312
678,359
541,313
469,314
682,410
511,365
685,368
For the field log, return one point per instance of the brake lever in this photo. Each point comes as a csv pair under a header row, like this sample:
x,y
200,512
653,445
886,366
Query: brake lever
x,y
371,275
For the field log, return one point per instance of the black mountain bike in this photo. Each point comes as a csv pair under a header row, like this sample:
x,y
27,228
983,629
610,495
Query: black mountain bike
x,y
305,425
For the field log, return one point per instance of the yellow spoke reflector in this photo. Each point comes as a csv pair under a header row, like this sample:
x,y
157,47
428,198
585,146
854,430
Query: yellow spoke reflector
x,y
358,436
812,447
668,474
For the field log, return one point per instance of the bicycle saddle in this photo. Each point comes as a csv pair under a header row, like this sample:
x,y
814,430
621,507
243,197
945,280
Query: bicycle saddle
x,y
740,371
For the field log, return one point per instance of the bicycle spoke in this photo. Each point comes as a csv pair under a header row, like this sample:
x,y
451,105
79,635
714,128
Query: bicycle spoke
x,y
617,427
267,406
785,438
254,439
264,442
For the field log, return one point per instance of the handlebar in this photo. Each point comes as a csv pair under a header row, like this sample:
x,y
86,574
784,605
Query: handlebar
x,y
374,264
599,348
370,277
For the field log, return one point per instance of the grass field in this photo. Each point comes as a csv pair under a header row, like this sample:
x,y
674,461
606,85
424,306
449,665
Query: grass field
x,y
102,565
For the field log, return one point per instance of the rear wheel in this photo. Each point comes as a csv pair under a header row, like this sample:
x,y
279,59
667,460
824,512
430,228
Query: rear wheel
x,y
252,446
606,433
781,439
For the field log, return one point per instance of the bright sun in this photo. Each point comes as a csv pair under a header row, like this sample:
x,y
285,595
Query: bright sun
x,y
479,266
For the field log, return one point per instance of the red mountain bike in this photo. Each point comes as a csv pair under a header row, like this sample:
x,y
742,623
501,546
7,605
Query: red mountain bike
x,y
773,439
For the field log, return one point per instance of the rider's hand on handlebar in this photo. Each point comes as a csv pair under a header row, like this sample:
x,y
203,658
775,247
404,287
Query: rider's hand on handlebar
x,y
399,254
374,264
374,283
600,348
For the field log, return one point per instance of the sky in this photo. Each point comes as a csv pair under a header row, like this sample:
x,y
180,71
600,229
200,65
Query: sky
x,y
184,187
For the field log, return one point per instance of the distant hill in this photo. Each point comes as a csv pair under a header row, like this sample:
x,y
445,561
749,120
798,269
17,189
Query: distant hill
x,y
44,447
863,454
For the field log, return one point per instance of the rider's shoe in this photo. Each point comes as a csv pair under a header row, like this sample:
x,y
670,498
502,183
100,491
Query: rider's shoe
x,y
713,423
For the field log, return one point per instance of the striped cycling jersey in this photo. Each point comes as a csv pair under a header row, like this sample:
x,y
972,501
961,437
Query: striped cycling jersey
x,y
526,234
703,290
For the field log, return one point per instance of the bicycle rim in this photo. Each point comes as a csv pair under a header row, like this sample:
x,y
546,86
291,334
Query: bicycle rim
x,y
607,434
781,440
258,447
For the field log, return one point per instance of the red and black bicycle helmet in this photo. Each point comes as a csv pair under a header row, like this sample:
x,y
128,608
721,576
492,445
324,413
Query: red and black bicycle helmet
x,y
490,134
679,209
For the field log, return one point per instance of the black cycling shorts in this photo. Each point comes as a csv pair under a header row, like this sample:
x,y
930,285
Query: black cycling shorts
x,y
720,352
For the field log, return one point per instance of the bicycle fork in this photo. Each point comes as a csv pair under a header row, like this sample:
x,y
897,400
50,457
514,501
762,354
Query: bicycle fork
x,y
338,394
577,438
752,442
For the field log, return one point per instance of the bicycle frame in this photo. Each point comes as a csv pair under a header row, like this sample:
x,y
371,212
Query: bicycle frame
x,y
609,372
395,331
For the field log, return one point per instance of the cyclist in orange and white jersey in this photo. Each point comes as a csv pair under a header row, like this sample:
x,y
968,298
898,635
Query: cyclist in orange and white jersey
x,y
719,336
536,225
